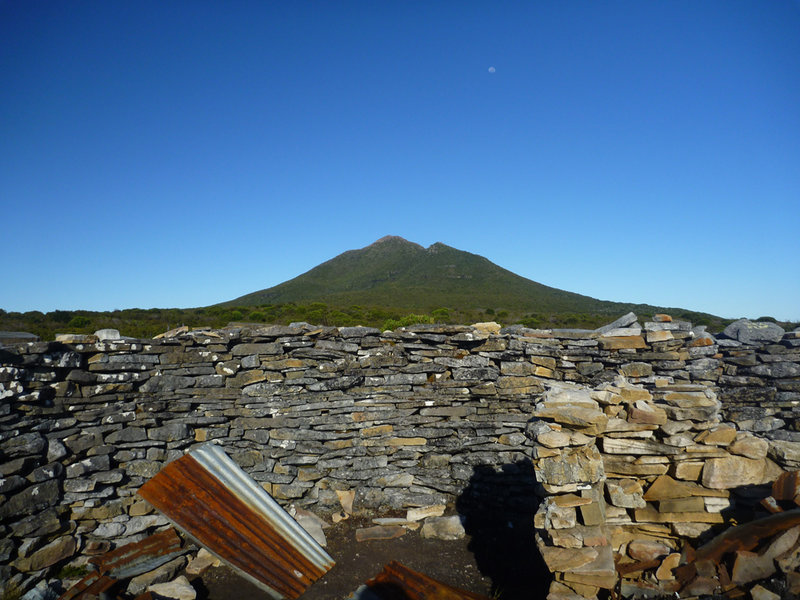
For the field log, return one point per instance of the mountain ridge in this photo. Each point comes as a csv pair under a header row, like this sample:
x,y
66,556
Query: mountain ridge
x,y
393,271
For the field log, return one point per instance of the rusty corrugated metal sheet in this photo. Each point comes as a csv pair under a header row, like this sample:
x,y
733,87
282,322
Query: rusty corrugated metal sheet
x,y
140,557
742,537
787,487
398,582
208,496
92,585
127,561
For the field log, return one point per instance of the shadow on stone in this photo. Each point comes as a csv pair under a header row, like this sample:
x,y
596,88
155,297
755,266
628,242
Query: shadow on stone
x,y
498,507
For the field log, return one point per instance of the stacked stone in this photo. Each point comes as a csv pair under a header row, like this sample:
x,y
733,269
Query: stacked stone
x,y
635,469
760,385
403,418
570,522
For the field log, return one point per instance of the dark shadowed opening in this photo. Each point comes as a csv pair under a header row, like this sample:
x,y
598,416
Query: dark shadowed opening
x,y
498,506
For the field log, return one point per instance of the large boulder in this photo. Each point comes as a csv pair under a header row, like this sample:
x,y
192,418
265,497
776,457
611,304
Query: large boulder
x,y
754,332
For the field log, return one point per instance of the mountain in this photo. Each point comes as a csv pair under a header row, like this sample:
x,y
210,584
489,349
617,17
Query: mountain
x,y
395,272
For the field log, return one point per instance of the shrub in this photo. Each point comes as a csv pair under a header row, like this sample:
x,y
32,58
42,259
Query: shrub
x,y
410,319
441,314
79,322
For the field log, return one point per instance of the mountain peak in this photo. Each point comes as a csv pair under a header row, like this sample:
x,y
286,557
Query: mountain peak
x,y
393,238
390,238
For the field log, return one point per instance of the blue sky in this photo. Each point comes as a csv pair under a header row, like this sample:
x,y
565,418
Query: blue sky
x,y
177,154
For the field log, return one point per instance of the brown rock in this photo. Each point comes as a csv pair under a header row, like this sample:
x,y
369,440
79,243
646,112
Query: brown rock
x,y
750,447
622,466
565,559
659,336
647,550
626,493
734,471
720,436
647,413
58,550
664,572
651,515
636,369
665,488
761,593
688,470
601,572
379,532
693,504
346,498
700,586
619,343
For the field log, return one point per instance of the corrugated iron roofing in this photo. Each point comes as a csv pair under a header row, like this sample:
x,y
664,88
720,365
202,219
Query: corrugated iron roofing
x,y
208,496
398,582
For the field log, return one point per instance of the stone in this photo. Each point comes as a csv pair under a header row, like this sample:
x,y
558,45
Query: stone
x,y
719,436
313,524
552,516
169,432
634,447
60,549
107,334
202,563
752,332
55,450
691,530
645,413
127,435
625,493
346,498
567,559
734,471
647,550
636,369
600,572
781,370
676,505
624,321
554,439
664,571
109,530
749,566
379,532
162,574
177,589
418,514
651,515
785,453
31,500
782,543
759,592
26,444
571,467
749,446
620,343
688,470
666,488
443,528
659,336
142,523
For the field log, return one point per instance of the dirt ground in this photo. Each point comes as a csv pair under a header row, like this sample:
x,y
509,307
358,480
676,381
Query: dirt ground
x,y
495,559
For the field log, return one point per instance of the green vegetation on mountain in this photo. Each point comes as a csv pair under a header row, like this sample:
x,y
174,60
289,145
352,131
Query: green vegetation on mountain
x,y
388,284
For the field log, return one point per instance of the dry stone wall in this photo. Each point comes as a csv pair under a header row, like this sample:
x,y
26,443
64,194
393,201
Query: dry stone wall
x,y
404,418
